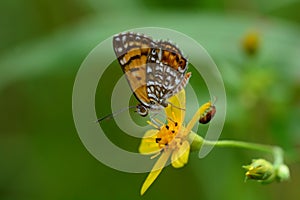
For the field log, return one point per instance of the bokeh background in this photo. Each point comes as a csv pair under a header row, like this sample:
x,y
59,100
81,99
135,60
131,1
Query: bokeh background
x,y
255,44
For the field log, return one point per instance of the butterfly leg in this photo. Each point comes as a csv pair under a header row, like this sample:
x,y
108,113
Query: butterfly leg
x,y
154,120
176,106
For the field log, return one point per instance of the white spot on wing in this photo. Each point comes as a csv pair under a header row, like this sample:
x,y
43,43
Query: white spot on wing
x,y
153,52
159,84
159,76
150,83
177,81
160,54
152,96
168,69
124,60
152,88
149,69
124,38
158,68
161,94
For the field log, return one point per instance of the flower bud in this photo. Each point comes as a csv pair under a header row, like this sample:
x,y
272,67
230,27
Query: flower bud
x,y
260,170
283,172
250,43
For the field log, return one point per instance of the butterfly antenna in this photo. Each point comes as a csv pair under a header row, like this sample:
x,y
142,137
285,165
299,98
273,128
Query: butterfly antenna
x,y
112,115
156,122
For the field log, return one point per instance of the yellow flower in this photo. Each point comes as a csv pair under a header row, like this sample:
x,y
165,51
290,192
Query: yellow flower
x,y
171,139
251,42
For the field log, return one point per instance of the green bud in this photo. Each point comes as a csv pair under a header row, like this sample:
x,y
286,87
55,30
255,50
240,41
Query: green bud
x,y
260,170
283,172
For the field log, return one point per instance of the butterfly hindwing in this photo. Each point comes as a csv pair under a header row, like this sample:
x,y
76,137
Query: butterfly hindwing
x,y
165,77
172,56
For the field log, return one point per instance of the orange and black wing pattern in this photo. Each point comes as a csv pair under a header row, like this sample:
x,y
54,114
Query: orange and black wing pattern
x,y
132,51
155,71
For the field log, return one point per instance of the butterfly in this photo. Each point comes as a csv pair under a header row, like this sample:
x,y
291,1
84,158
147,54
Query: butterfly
x,y
155,70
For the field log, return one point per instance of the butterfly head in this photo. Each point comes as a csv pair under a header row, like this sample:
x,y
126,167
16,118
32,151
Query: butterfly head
x,y
142,110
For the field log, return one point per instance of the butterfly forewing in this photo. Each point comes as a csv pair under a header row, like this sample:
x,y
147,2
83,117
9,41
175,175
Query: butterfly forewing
x,y
132,51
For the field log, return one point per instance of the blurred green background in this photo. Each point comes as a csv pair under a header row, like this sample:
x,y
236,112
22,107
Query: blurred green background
x,y
255,44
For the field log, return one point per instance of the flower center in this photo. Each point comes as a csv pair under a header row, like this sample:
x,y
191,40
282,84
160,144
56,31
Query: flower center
x,y
166,137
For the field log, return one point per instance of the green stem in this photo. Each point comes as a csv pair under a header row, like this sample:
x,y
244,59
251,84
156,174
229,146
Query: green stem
x,y
277,152
240,144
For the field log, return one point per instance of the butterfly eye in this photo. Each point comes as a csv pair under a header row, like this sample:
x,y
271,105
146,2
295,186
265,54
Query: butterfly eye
x,y
142,110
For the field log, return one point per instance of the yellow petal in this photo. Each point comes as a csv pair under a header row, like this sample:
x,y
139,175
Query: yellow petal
x,y
157,168
148,144
180,157
196,117
176,105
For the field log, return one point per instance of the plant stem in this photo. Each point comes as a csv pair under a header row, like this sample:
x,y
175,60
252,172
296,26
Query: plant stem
x,y
277,152
240,144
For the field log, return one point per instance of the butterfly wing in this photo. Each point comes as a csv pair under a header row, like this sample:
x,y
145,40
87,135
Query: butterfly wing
x,y
132,51
174,60
172,56
166,72
154,71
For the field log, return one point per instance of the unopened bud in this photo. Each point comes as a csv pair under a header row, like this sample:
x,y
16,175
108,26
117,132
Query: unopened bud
x,y
283,173
260,170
